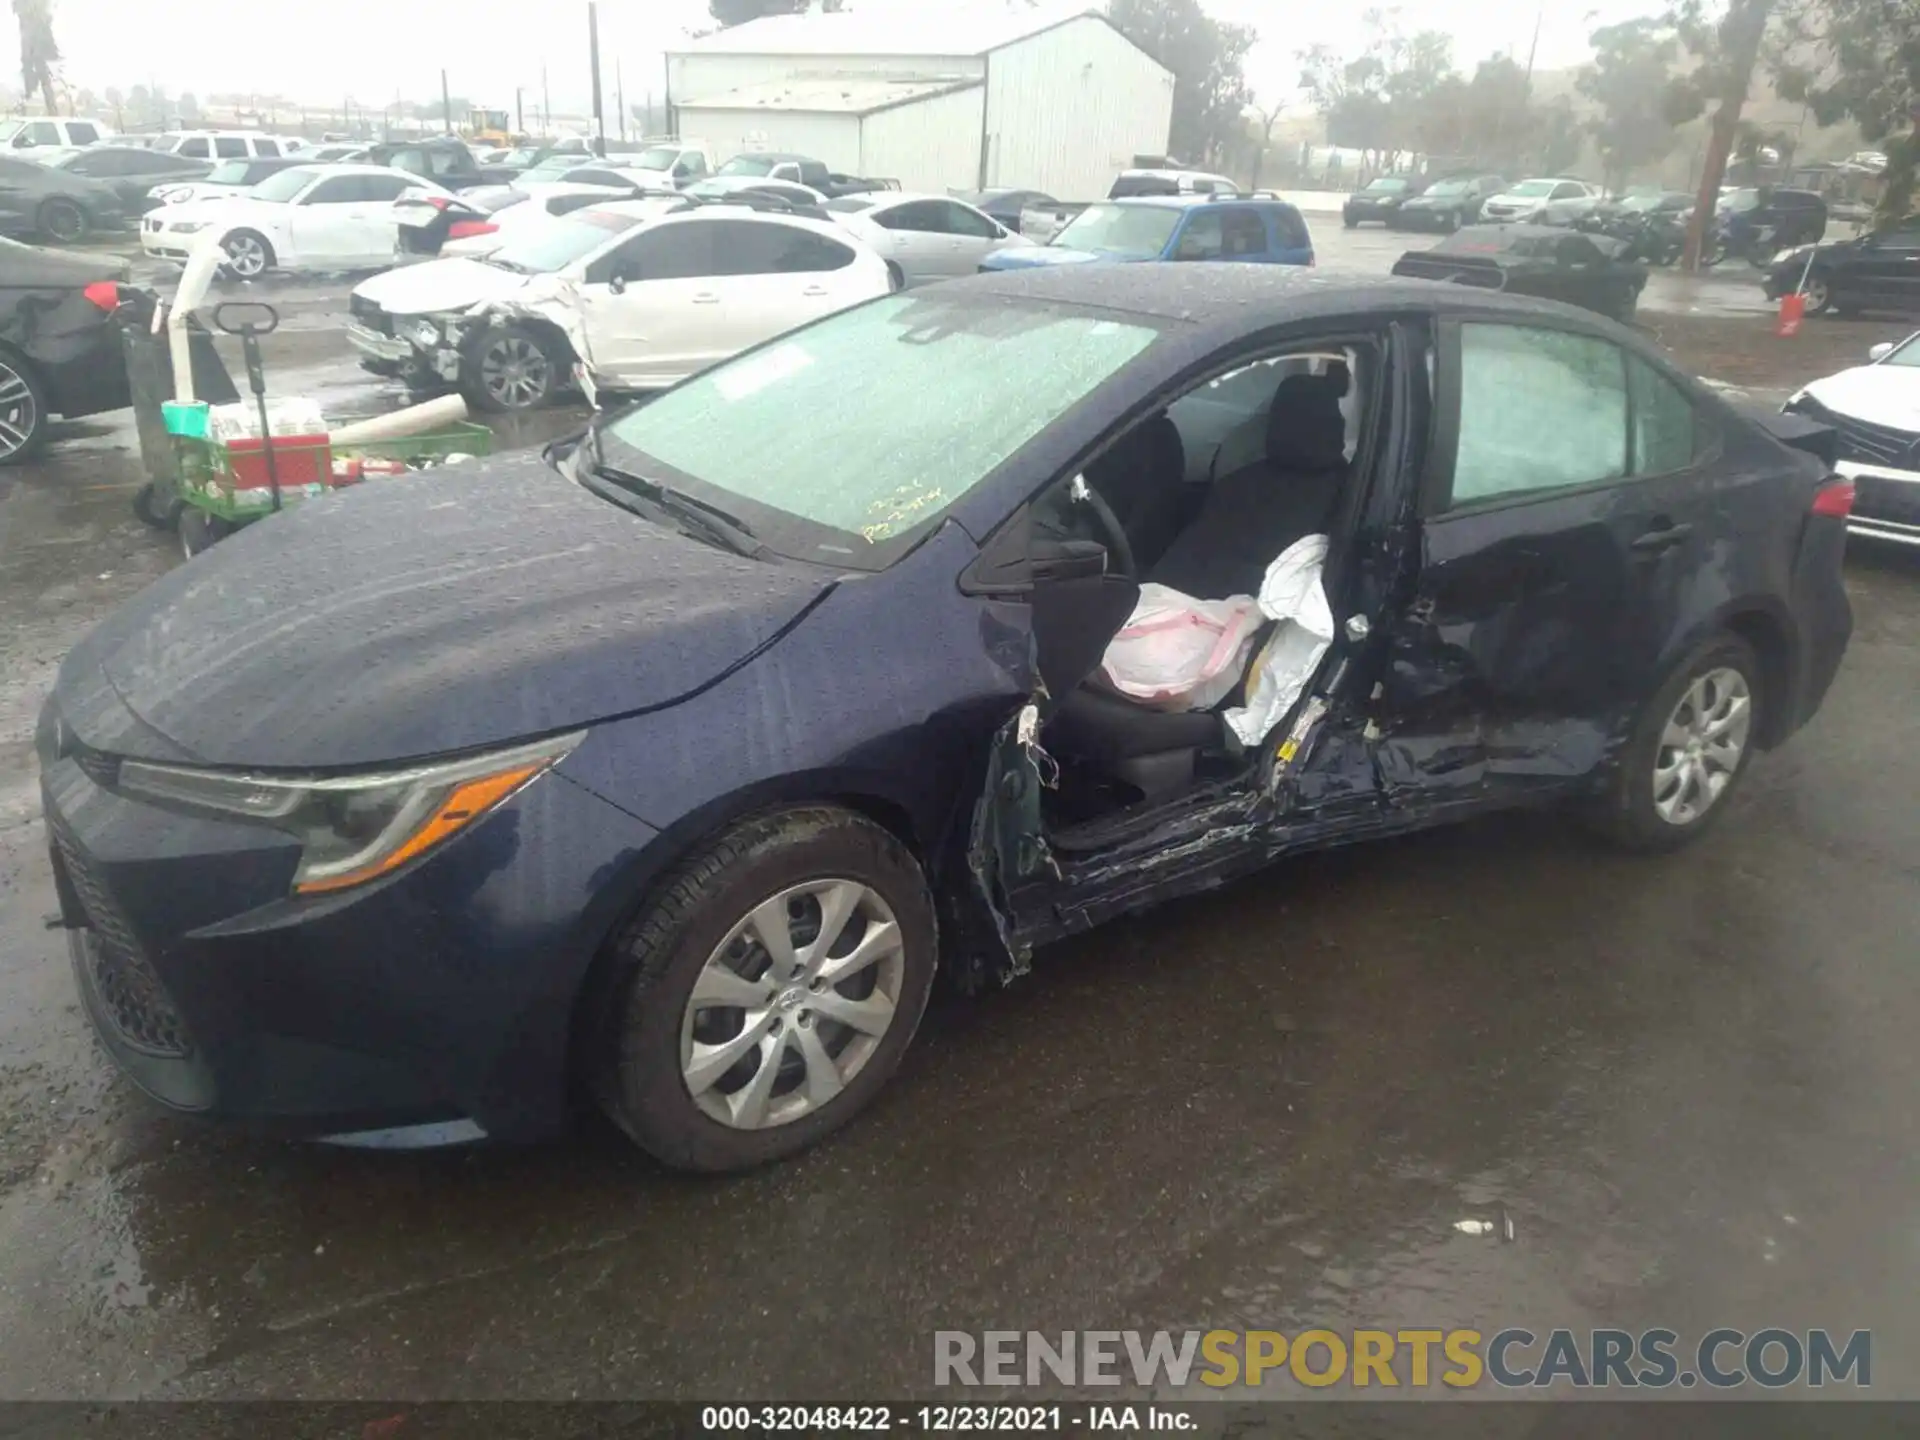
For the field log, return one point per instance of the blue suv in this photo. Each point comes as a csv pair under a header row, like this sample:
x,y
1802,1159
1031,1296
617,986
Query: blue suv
x,y
1171,227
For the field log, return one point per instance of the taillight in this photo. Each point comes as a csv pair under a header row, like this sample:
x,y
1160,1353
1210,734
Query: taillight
x,y
467,229
1834,498
438,202
105,294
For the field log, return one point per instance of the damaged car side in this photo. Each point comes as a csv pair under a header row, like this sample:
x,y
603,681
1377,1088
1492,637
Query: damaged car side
x,y
624,295
678,783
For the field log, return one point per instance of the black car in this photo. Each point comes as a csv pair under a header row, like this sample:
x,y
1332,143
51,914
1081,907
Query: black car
x,y
130,171
669,767
1538,260
1448,203
1379,200
1878,271
36,199
59,352
1006,205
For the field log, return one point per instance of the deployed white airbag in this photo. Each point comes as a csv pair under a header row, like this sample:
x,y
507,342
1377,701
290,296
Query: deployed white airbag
x,y
1291,593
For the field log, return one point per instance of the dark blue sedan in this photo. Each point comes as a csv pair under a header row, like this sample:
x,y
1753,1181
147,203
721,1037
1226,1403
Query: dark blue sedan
x,y
670,767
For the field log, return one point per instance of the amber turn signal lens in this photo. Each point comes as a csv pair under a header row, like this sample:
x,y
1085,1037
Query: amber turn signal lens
x,y
466,803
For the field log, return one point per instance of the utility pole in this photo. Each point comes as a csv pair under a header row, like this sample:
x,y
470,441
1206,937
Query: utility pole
x,y
519,114
446,101
1533,50
593,55
620,97
546,105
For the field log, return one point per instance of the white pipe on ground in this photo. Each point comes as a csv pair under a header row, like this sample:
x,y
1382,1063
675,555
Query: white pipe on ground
x,y
414,420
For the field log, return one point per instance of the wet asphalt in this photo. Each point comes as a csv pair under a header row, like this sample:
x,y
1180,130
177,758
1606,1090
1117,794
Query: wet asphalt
x,y
1690,1083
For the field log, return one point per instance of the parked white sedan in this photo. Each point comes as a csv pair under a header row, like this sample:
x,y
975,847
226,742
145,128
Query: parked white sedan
x,y
639,294
924,237
311,217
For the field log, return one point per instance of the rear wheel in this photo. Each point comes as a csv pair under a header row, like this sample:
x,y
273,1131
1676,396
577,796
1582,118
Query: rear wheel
x,y
896,277
200,531
767,994
1688,750
62,220
23,412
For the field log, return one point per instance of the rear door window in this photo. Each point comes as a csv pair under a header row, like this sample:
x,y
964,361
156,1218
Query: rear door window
x,y
962,221
1202,239
266,147
1540,410
229,147
195,146
1243,233
686,251
744,247
928,217
82,133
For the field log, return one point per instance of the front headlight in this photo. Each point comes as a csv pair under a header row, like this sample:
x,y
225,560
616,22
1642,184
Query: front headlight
x,y
355,828
424,333
187,227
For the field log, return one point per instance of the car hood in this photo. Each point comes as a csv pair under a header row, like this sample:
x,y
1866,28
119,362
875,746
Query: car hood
x,y
30,267
1437,202
217,206
423,616
1029,257
1878,394
438,285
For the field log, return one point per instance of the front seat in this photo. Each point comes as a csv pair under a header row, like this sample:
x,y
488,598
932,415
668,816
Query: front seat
x,y
1155,751
1143,480
1257,511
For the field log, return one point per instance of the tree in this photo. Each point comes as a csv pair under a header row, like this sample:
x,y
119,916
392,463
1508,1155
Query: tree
x,y
1494,120
1558,135
189,108
39,52
1382,100
1860,60
1629,81
1206,57
1729,47
738,12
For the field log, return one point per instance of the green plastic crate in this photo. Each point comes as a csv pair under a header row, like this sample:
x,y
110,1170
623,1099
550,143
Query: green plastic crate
x,y
207,470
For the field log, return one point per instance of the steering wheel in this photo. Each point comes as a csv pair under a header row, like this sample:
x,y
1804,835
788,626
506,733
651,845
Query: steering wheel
x,y
1119,547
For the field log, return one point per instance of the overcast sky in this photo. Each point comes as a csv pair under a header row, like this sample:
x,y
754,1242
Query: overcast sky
x,y
369,49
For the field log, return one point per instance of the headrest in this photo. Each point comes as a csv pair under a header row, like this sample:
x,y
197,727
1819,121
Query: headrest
x,y
1305,429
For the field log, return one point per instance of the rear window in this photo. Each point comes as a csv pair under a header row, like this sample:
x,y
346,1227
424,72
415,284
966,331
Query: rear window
x,y
851,204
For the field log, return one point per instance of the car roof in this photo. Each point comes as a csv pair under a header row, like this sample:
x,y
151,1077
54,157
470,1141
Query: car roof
x,y
1234,298
1195,202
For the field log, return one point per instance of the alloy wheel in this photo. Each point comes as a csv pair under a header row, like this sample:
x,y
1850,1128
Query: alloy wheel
x,y
19,412
792,1004
246,256
1814,296
515,372
1701,748
63,220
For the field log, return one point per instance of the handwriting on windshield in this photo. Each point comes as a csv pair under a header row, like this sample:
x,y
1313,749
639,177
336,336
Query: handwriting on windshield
x,y
901,510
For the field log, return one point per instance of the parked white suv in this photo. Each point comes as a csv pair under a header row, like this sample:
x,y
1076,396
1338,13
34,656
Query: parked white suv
x,y
233,145
49,131
1551,201
639,293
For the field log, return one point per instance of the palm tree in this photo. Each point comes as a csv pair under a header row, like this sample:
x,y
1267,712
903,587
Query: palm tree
x,y
39,52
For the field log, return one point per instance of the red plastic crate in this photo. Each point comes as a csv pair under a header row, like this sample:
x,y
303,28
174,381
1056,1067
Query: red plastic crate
x,y
300,459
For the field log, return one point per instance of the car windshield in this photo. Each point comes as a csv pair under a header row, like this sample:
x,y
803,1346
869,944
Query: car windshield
x,y
556,245
519,157
283,186
851,204
1386,185
1533,187
1120,229
229,172
946,391
657,157
748,165
1906,353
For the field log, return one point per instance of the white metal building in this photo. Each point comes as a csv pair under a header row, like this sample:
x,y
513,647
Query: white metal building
x,y
1054,101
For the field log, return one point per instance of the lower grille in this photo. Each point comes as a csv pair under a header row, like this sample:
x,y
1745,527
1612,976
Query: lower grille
x,y
135,1001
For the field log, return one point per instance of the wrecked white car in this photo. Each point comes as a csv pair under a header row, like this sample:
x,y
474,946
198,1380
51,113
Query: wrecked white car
x,y
629,295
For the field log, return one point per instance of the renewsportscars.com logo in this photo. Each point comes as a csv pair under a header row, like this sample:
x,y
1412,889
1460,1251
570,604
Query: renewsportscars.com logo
x,y
1514,1359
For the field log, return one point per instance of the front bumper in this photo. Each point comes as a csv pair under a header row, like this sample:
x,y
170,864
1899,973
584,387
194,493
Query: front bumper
x,y
434,1004
1886,502
164,244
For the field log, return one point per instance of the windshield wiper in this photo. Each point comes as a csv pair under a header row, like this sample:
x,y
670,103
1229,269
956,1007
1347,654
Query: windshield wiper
x,y
717,525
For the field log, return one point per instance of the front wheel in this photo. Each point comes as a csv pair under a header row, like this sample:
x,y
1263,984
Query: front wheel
x,y
768,992
1714,252
23,412
249,256
1815,296
510,368
1688,750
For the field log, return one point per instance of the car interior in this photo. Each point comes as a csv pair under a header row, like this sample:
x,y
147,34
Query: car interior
x,y
1200,497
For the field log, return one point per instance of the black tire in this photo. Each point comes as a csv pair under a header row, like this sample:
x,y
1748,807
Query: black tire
x,y
23,411
200,531
148,510
896,277
1627,814
1350,222
62,220
653,964
1819,289
512,368
249,254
